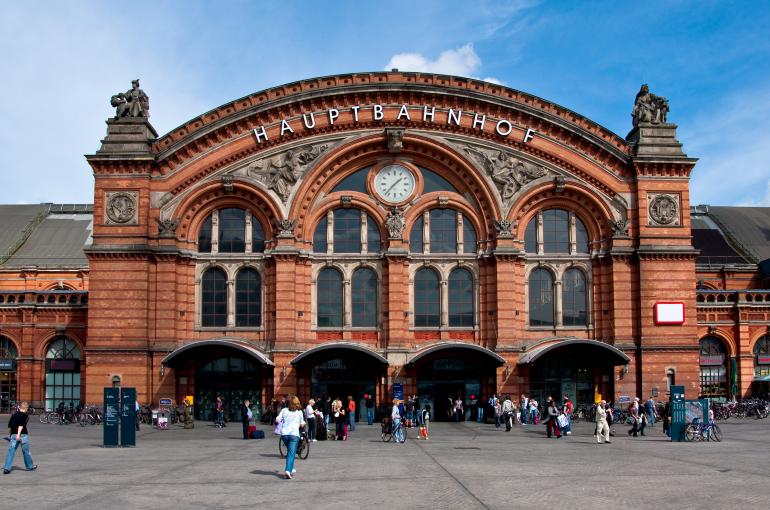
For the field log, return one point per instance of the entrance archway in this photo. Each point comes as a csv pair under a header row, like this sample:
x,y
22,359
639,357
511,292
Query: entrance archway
x,y
581,369
341,370
233,370
449,371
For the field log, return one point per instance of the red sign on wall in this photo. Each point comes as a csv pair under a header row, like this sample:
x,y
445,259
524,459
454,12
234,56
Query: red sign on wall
x,y
669,312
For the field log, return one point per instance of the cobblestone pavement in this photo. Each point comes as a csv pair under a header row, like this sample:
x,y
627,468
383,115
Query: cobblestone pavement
x,y
462,465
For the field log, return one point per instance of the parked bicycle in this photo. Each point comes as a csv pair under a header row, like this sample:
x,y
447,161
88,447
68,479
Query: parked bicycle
x,y
303,448
698,431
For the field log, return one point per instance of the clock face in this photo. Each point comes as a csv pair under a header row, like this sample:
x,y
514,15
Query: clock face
x,y
394,183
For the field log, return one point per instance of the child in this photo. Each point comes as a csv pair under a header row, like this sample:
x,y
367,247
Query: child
x,y
424,422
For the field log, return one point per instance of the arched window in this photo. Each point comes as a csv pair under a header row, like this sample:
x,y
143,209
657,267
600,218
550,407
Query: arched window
x,y
541,298
461,298
364,298
347,231
574,298
329,298
232,230
469,236
214,298
443,231
555,231
762,359
427,299
713,367
257,237
372,236
248,298
530,236
319,237
416,236
62,373
204,236
8,379
581,237
7,349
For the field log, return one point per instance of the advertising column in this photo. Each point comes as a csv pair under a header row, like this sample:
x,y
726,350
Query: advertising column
x,y
111,417
127,417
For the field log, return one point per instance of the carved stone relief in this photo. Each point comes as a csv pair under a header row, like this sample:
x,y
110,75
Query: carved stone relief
x,y
121,207
395,223
285,228
167,228
281,171
503,228
664,209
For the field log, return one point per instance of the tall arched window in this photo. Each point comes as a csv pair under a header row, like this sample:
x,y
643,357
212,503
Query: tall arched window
x,y
257,237
574,298
443,231
62,373
232,230
427,299
248,298
347,231
204,236
713,367
461,298
541,298
416,236
556,235
364,298
214,298
762,360
319,237
329,298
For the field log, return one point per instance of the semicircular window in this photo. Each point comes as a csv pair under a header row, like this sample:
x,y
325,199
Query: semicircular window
x,y
353,182
434,182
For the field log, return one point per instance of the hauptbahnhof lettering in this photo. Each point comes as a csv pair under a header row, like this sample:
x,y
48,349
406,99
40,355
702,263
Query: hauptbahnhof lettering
x,y
340,235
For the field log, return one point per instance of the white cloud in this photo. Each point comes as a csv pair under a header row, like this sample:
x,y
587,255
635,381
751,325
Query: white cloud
x,y
460,62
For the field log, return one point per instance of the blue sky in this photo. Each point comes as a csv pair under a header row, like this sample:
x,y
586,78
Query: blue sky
x,y
61,62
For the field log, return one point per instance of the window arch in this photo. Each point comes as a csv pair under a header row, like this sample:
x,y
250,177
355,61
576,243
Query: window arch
x,y
541,310
204,235
555,231
713,367
364,298
248,298
557,234
443,232
232,229
230,234
762,359
8,348
574,302
347,231
62,373
460,298
214,298
329,298
427,298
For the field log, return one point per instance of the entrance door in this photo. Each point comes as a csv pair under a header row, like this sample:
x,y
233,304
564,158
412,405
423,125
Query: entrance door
x,y
234,379
341,378
7,391
441,381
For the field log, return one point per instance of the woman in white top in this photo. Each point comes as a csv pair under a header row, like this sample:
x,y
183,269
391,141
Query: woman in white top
x,y
291,420
310,419
395,418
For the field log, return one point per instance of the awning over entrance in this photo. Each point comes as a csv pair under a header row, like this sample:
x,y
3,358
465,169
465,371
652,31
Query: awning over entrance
x,y
172,358
499,360
340,346
615,355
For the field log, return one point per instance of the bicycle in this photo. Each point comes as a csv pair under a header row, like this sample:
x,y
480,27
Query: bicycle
x,y
697,431
303,448
398,434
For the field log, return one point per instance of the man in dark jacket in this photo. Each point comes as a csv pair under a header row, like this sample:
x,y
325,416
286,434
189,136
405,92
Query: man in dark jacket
x,y
246,416
19,437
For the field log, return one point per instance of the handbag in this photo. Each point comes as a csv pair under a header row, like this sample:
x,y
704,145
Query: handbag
x,y
562,421
278,425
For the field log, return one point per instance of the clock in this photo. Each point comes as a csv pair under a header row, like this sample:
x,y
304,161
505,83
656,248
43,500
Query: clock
x,y
394,183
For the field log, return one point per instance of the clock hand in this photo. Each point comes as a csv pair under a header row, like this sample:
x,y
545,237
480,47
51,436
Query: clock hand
x,y
394,184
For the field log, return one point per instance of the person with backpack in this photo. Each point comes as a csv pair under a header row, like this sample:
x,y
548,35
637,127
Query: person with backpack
x,y
508,410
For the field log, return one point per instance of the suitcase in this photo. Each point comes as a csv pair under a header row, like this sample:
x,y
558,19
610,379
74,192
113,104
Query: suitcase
x,y
251,430
257,434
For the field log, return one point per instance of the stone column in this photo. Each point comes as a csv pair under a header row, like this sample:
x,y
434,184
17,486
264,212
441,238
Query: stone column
x,y
230,302
444,287
347,303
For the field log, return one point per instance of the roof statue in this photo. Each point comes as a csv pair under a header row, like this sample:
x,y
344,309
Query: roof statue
x,y
649,107
132,103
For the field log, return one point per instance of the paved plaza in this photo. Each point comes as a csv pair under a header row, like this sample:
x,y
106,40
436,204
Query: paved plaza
x,y
463,465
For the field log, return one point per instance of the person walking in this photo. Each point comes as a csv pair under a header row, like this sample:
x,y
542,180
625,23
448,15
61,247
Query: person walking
x,y
568,409
219,413
291,420
480,411
633,412
310,419
19,436
493,401
352,413
602,427
651,411
458,409
508,413
246,416
550,423
524,407
369,409
533,411
395,420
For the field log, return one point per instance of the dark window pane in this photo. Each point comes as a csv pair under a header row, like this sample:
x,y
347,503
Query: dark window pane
x,y
214,298
556,231
232,230
461,298
540,298
434,182
204,236
574,298
354,182
329,298
427,299
372,235
415,237
347,231
319,237
469,236
248,298
443,231
364,298
257,236
530,236
581,237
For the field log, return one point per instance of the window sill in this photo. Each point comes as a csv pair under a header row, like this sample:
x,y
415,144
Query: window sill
x,y
226,328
